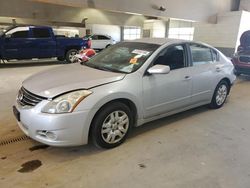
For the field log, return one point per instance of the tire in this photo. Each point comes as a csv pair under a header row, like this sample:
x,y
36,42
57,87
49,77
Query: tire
x,y
60,58
220,95
69,55
108,45
109,132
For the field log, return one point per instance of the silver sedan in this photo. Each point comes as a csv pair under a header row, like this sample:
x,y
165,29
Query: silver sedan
x,y
126,85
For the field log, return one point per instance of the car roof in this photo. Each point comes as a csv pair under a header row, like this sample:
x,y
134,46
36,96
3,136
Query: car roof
x,y
159,41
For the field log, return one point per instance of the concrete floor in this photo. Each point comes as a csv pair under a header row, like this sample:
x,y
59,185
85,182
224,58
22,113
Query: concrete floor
x,y
200,148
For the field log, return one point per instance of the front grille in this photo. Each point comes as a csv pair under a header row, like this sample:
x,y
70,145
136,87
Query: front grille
x,y
26,98
245,59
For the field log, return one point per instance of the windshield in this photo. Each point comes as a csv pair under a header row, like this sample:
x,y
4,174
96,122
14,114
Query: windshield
x,y
125,57
2,32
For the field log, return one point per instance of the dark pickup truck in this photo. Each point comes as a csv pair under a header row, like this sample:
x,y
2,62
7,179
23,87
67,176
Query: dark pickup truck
x,y
27,42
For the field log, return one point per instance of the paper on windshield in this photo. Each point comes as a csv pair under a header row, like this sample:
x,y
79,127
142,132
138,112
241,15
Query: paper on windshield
x,y
140,52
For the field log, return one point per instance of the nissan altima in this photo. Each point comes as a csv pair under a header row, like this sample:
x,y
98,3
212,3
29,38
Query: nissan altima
x,y
124,86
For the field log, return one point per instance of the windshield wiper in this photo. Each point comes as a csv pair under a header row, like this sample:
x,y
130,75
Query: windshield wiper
x,y
102,68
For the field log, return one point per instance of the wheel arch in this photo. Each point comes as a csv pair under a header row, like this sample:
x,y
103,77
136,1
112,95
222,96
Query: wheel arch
x,y
126,101
228,82
68,48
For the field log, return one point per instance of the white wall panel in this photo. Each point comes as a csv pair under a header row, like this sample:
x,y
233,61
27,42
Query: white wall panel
x,y
224,34
245,5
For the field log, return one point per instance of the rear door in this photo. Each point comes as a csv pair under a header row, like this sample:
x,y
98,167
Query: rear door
x,y
203,73
44,43
17,44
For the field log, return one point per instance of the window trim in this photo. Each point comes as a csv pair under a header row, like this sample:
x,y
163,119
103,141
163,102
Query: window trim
x,y
186,57
199,44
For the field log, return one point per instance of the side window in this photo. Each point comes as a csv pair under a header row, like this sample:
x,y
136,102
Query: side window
x,y
201,54
172,56
41,33
94,37
102,37
20,34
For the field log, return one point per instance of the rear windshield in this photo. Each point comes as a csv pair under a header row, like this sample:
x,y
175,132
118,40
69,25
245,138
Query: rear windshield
x,y
125,57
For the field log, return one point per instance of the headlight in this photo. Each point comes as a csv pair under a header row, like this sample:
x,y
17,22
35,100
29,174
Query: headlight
x,y
66,103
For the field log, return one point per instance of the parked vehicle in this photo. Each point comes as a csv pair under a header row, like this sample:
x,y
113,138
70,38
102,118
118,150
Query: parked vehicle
x,y
126,85
38,42
241,59
84,55
99,42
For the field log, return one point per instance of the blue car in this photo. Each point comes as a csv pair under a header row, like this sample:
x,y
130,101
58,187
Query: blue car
x,y
27,42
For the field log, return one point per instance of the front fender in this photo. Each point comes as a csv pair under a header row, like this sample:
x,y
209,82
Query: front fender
x,y
104,94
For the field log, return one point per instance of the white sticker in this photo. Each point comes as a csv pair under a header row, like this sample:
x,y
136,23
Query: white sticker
x,y
140,52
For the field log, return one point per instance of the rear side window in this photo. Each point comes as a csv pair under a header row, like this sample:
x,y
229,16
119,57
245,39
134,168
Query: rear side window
x,y
102,37
20,34
94,37
41,33
201,54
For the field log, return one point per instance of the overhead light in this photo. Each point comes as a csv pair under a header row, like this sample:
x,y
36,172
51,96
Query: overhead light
x,y
137,14
162,8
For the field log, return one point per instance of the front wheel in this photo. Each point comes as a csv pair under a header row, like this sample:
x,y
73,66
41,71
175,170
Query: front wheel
x,y
111,125
220,95
60,58
70,55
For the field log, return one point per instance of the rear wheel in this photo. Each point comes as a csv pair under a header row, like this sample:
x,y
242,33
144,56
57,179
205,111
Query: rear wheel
x,y
70,55
111,125
220,95
108,45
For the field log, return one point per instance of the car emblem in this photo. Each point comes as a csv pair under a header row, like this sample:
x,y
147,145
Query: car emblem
x,y
20,96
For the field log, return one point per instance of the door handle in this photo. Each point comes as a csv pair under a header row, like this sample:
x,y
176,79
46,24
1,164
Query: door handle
x,y
218,69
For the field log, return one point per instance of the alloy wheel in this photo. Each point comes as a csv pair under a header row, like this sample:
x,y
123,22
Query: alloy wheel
x,y
115,127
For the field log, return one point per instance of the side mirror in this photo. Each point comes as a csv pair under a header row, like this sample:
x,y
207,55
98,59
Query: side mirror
x,y
159,69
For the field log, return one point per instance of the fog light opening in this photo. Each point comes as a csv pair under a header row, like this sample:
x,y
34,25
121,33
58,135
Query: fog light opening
x,y
48,134
51,135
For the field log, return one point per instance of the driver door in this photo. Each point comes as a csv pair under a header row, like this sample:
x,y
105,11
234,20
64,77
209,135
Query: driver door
x,y
163,93
17,44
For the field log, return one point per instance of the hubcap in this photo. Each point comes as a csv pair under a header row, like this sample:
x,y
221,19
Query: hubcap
x,y
115,127
221,94
72,56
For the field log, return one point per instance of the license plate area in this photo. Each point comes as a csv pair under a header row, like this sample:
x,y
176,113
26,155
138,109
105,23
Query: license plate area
x,y
16,113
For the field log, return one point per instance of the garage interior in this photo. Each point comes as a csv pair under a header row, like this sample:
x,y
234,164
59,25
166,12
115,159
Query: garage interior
x,y
200,148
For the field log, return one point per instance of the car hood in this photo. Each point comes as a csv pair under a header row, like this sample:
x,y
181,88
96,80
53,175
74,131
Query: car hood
x,y
53,82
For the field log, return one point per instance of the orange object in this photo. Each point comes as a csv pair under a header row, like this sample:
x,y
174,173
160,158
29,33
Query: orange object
x,y
133,61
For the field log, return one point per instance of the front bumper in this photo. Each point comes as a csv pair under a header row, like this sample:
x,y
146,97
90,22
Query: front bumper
x,y
69,129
